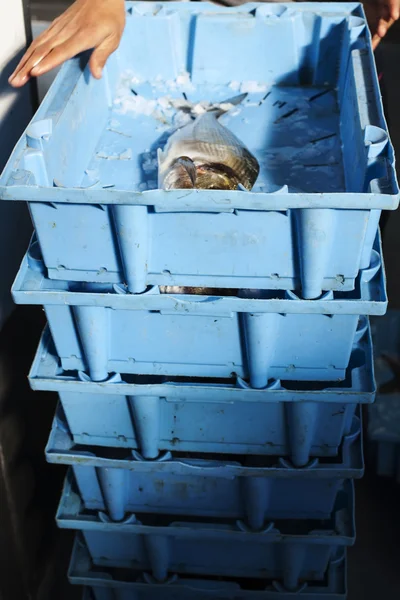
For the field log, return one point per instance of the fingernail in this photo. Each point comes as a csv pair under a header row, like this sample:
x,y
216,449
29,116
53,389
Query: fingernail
x,y
38,70
20,80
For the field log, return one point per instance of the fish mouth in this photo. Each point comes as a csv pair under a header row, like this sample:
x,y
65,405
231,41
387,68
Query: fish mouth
x,y
216,176
185,174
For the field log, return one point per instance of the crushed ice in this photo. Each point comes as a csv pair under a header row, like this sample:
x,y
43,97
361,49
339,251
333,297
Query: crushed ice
x,y
248,87
169,110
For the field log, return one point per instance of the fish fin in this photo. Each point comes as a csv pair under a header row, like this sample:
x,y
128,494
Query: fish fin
x,y
189,167
219,109
236,99
160,159
160,156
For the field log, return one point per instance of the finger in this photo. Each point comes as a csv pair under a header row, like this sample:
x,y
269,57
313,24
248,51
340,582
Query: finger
x,y
394,9
390,23
383,27
100,55
61,53
35,58
54,28
22,76
23,61
376,41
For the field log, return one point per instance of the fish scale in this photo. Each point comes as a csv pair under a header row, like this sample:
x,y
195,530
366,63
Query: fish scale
x,y
207,128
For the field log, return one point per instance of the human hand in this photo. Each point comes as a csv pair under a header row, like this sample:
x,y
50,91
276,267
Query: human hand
x,y
381,14
86,24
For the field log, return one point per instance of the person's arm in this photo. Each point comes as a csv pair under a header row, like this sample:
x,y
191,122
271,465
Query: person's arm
x,y
86,24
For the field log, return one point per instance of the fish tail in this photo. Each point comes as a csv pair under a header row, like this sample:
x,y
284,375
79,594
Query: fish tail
x,y
235,100
227,105
160,156
218,112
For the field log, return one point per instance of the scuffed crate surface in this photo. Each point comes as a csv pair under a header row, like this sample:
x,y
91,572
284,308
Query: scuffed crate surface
x,y
103,329
253,489
106,584
290,551
152,415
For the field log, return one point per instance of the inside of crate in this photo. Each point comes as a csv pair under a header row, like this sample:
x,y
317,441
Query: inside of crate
x,y
312,114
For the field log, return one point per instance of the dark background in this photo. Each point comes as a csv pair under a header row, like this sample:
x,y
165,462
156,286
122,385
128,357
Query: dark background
x,y
40,552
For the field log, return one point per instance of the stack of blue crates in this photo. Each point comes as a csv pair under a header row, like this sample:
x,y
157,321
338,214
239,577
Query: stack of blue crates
x,y
211,349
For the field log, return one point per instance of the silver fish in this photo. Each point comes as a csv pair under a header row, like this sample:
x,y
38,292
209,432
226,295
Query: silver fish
x,y
206,155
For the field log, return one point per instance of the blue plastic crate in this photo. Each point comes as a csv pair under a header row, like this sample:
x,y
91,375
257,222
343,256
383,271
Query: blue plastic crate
x,y
313,117
251,489
103,329
384,415
289,551
108,585
153,415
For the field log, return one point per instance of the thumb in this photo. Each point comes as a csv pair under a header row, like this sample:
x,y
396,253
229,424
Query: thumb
x,y
100,55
